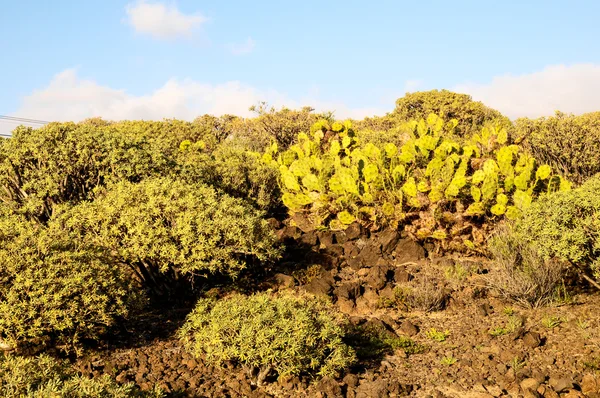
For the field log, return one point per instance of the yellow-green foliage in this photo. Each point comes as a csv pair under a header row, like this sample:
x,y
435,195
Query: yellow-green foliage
x,y
470,115
566,225
285,333
61,162
237,172
54,288
44,377
336,179
571,144
164,228
281,126
520,273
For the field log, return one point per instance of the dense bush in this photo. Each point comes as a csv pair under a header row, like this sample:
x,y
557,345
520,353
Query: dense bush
x,y
165,229
436,187
271,125
44,377
237,172
471,115
570,144
520,273
63,162
286,334
566,225
54,288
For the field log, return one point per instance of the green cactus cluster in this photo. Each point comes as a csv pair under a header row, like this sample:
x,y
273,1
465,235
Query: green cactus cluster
x,y
436,187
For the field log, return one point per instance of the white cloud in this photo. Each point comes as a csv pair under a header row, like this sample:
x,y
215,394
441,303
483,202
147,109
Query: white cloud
x,y
69,97
568,88
162,21
243,48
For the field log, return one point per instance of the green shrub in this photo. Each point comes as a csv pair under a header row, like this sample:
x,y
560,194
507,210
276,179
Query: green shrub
x,y
440,190
44,377
237,172
569,143
286,334
52,288
166,229
520,274
64,162
471,115
566,225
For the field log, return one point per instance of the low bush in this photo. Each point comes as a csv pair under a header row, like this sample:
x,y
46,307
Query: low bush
x,y
520,274
64,162
569,143
44,377
166,230
566,226
54,290
471,115
285,334
438,189
237,172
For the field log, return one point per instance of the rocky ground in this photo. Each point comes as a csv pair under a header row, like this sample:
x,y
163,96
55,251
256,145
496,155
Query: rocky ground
x,y
444,333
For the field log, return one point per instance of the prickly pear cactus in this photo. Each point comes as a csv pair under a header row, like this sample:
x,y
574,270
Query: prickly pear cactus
x,y
434,187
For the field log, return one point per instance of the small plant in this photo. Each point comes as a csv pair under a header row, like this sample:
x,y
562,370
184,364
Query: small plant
x,y
514,322
428,295
582,323
509,311
456,273
438,336
498,331
266,333
517,364
448,361
44,376
551,322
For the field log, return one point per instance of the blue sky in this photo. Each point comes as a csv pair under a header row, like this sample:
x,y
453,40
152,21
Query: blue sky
x,y
67,60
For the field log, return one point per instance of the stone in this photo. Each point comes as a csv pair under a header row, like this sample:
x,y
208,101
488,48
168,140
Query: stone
x,y
388,240
560,385
320,286
408,328
354,231
401,275
288,233
285,280
369,255
326,239
351,380
350,250
589,384
309,239
348,290
346,306
407,251
573,394
530,384
532,339
377,277
494,390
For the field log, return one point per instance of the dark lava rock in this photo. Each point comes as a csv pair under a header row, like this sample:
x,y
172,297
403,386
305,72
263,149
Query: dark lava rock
x,y
407,250
388,240
408,328
348,290
354,231
320,286
532,339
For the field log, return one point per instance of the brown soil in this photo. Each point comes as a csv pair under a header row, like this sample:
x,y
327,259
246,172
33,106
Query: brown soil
x,y
491,348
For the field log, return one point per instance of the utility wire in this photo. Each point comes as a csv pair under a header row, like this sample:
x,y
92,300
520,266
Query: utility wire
x,y
22,119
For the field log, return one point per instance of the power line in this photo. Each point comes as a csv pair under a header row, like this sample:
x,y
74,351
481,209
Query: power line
x,y
22,120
